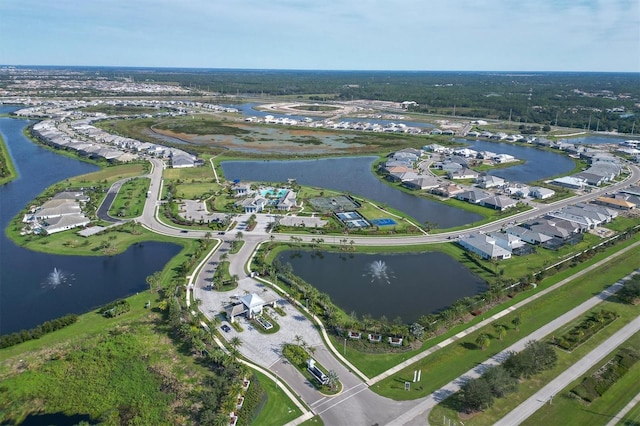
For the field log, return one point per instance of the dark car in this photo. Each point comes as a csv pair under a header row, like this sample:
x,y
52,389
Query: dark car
x,y
225,328
184,231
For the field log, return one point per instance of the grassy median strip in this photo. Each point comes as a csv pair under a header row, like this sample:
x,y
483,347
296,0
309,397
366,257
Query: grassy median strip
x,y
502,406
457,358
277,409
129,202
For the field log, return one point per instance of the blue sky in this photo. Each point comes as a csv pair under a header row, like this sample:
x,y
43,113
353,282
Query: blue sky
x,y
517,35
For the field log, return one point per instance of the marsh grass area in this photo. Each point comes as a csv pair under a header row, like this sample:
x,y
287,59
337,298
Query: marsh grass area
x,y
321,108
123,109
208,133
129,201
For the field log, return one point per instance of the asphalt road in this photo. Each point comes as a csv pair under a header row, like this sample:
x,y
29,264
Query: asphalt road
x,y
356,405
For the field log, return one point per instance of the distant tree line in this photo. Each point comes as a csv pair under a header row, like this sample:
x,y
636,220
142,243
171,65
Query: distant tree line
x,y
18,337
579,100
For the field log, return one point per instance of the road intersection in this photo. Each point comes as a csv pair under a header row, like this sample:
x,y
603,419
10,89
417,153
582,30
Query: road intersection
x,y
357,404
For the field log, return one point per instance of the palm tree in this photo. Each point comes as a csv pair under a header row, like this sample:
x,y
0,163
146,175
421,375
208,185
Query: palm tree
x,y
483,341
501,331
517,321
333,379
312,350
235,343
298,339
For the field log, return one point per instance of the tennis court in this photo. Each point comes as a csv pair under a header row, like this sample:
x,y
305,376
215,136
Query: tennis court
x,y
383,222
339,203
353,220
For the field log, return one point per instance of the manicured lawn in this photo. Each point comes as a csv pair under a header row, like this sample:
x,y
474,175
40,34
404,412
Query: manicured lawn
x,y
194,191
528,387
110,174
278,408
111,242
7,168
129,201
313,421
569,410
632,418
457,358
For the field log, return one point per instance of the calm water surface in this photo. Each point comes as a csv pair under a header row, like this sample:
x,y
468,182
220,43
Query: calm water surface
x,y
28,296
348,174
394,285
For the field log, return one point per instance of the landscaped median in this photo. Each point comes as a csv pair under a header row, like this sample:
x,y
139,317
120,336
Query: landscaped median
x,y
460,356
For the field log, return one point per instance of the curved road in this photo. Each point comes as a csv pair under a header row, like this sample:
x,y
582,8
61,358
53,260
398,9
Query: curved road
x,y
357,402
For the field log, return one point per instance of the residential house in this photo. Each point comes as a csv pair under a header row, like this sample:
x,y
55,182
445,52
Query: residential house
x,y
448,190
541,193
474,196
488,181
529,236
570,182
507,241
498,202
422,182
484,246
463,174
616,203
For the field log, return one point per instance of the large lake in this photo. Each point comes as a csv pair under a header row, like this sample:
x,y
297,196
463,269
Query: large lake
x,y
348,174
27,295
394,285
539,164
354,175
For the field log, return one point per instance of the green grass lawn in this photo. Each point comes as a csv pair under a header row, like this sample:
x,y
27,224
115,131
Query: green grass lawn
x,y
7,168
570,410
278,408
129,201
632,418
527,387
455,359
114,241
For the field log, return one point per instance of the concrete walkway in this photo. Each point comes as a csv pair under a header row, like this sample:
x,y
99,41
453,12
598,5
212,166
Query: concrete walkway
x,y
494,317
545,395
420,413
620,416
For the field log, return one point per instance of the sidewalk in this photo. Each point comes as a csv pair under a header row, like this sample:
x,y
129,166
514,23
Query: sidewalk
x,y
545,395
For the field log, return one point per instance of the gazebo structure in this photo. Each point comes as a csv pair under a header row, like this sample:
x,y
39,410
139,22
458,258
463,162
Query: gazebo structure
x,y
250,305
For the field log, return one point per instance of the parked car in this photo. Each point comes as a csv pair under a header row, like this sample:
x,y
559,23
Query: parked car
x,y
225,328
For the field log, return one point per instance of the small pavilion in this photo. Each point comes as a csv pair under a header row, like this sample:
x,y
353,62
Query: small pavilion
x,y
250,305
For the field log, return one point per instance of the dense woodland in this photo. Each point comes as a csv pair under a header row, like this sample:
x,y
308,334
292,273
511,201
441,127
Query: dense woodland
x,y
598,101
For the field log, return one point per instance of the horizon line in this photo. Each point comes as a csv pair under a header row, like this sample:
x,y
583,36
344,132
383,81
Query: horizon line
x,y
314,69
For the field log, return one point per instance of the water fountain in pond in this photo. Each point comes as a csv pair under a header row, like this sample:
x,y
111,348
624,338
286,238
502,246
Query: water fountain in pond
x,y
379,271
57,277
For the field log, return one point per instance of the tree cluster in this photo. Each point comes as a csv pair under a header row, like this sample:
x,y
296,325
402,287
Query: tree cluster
x,y
18,337
501,380
630,291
